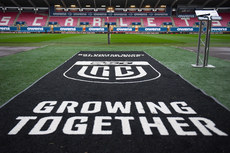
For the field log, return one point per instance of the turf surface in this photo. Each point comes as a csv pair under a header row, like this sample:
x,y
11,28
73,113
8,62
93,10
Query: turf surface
x,y
92,103
20,70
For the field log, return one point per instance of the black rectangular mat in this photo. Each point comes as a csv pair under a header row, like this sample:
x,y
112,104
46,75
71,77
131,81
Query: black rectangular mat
x,y
113,102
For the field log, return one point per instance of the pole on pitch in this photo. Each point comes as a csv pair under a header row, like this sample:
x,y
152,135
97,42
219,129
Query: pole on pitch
x,y
205,16
207,42
199,41
109,36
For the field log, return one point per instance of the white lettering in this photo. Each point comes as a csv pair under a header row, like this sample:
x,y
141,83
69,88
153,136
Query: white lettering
x,y
214,29
118,105
124,29
126,129
97,22
4,28
205,126
162,107
103,125
178,126
182,110
42,108
70,108
186,21
140,108
96,29
69,21
37,129
86,107
67,29
35,21
118,70
216,23
152,29
105,70
157,124
122,24
5,21
150,22
21,124
34,29
184,29
99,123
81,128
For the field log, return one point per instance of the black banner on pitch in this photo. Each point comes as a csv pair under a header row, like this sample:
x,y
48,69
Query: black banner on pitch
x,y
113,102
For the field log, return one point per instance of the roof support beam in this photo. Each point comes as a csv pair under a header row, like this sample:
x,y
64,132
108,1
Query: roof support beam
x,y
173,3
126,2
15,3
63,3
222,3
47,3
141,3
205,3
94,2
157,4
79,4
31,3
190,2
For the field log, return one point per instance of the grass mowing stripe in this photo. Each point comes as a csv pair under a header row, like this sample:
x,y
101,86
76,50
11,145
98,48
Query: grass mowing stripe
x,y
153,39
20,70
76,39
214,82
31,37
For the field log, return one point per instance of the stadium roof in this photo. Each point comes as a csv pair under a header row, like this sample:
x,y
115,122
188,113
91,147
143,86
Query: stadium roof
x,y
114,3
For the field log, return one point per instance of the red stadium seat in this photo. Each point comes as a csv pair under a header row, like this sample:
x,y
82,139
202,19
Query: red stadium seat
x,y
74,21
185,22
7,19
65,21
127,21
224,21
155,21
189,22
93,21
111,19
32,19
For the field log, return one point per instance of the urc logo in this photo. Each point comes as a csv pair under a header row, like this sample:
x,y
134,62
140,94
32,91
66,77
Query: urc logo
x,y
112,71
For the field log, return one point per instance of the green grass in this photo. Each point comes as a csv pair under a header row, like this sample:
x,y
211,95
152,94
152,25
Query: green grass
x,y
20,70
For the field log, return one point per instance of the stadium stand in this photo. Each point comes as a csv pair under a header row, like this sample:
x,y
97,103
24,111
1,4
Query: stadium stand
x,y
93,21
111,19
189,22
185,22
42,19
65,21
225,19
8,18
155,21
127,21
32,19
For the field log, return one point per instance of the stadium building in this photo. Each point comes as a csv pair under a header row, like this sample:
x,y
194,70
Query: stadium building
x,y
124,16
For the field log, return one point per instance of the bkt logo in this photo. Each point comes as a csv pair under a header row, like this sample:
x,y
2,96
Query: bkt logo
x,y
112,71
